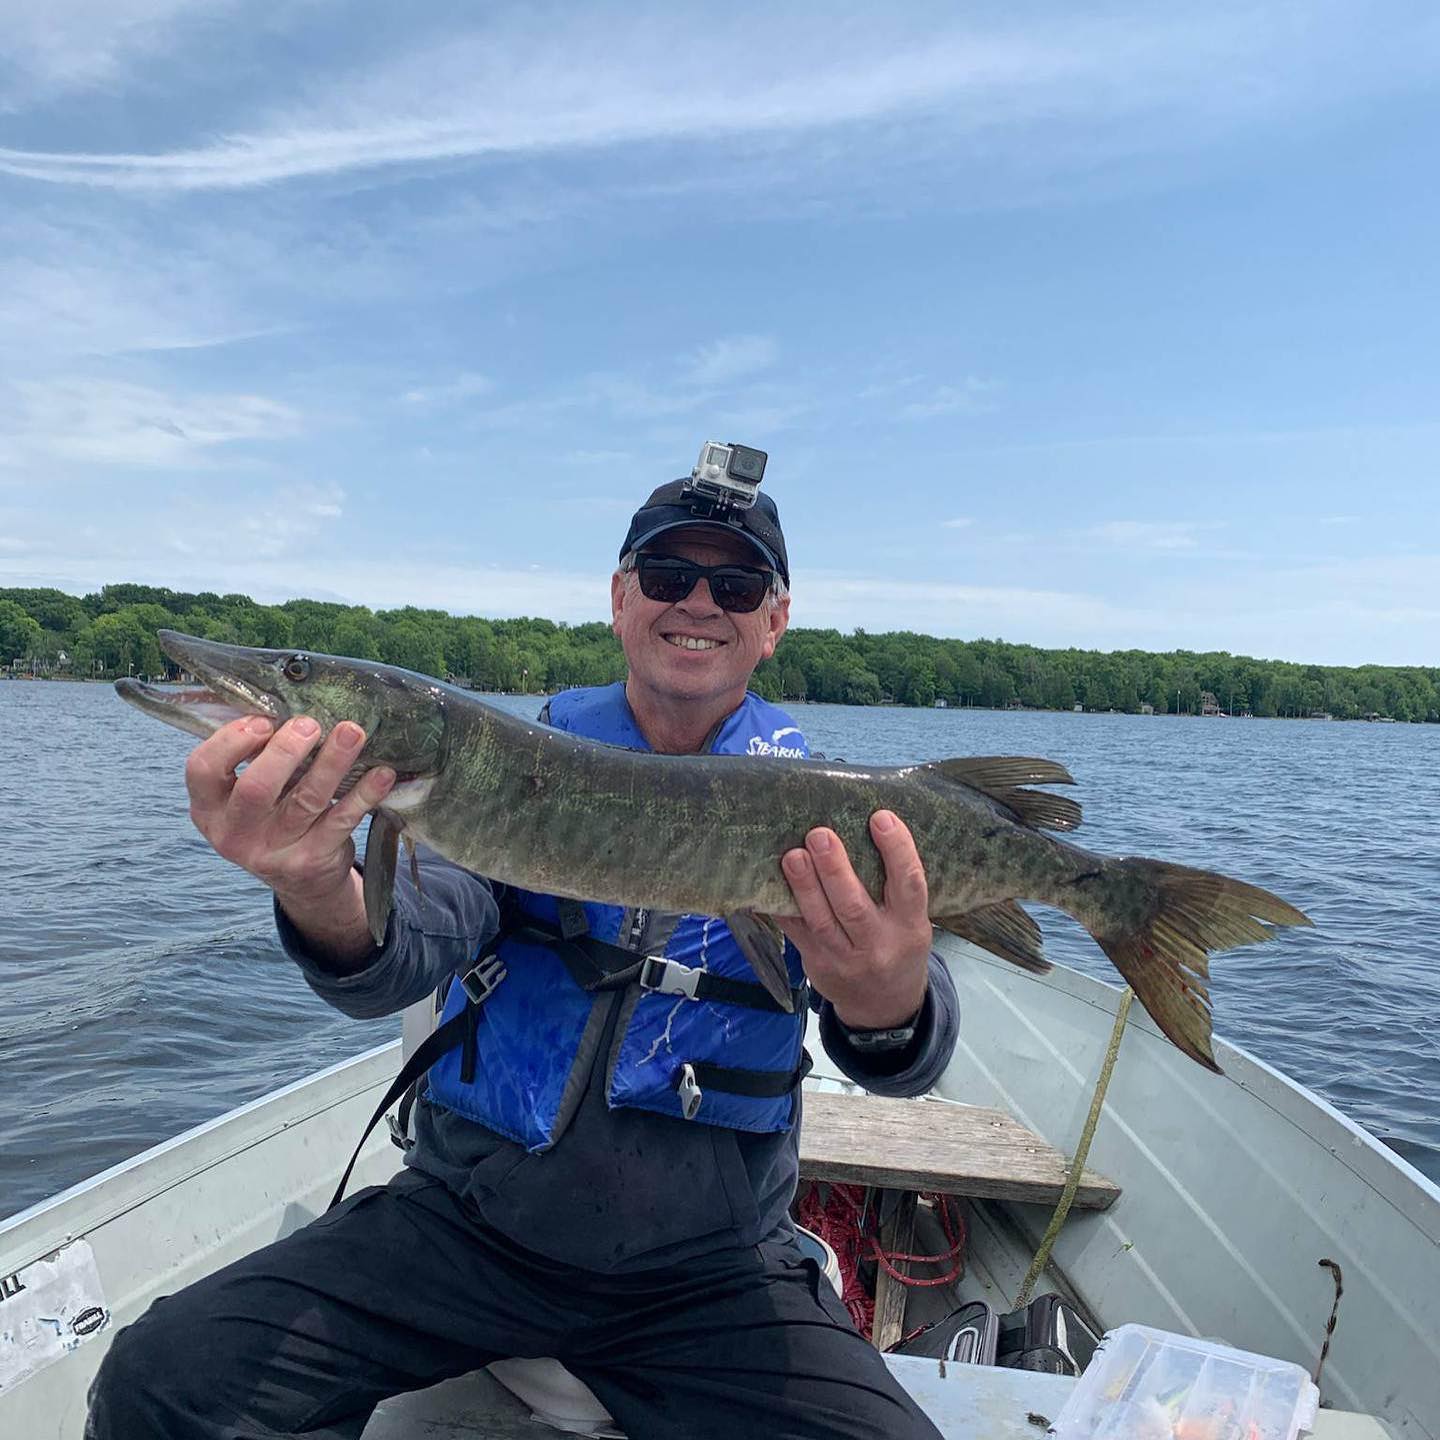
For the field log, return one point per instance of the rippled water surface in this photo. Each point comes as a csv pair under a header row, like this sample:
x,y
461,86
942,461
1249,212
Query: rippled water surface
x,y
142,990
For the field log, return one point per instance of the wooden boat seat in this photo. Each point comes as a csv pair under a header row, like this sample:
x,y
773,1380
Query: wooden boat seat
x,y
937,1146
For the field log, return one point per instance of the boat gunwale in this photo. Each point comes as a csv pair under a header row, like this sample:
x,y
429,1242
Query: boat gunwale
x,y
104,1197
1289,1099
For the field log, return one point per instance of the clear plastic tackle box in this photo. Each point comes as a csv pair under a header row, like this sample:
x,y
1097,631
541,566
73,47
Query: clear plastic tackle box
x,y
1146,1384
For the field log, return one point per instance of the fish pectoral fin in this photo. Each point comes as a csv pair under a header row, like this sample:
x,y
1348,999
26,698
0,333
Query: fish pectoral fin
x,y
414,853
1002,777
1004,929
763,945
382,853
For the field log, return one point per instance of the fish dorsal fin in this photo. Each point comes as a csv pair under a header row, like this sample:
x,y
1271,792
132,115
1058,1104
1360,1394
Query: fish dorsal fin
x,y
1001,772
1002,777
1003,929
382,852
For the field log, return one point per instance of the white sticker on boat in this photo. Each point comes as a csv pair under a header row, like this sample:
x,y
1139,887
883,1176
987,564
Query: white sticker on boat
x,y
47,1309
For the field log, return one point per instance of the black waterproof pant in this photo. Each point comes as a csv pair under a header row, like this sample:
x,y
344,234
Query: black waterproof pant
x,y
402,1286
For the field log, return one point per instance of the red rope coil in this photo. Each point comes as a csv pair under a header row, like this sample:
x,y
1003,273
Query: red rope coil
x,y
842,1216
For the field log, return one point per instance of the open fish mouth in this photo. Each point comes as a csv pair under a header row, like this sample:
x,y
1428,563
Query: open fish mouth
x,y
196,709
218,698
200,709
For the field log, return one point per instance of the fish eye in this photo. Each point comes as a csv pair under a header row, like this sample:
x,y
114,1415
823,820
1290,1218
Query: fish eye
x,y
297,667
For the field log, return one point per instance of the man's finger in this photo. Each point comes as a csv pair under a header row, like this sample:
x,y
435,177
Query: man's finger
x,y
905,887
815,912
852,903
347,812
796,931
256,793
315,789
210,766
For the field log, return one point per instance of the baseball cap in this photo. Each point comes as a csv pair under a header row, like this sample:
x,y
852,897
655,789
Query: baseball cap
x,y
676,507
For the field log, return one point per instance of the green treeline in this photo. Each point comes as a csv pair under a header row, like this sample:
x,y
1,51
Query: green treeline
x,y
112,632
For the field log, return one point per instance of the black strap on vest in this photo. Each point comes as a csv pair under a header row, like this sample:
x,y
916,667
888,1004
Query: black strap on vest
x,y
449,1035
593,965
670,977
695,1076
598,965
754,1084
479,983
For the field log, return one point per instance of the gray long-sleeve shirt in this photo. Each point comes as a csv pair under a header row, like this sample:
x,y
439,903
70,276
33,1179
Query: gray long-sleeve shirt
x,y
622,1189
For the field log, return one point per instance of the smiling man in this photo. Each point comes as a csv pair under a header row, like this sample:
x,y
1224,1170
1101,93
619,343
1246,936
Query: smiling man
x,y
660,606
602,1170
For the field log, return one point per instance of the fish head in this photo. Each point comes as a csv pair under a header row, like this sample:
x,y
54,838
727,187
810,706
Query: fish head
x,y
403,714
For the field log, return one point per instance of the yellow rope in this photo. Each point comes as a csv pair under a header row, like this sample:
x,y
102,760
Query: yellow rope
x,y
1077,1165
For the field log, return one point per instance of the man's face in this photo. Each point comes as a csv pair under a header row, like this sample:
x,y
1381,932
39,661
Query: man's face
x,y
659,639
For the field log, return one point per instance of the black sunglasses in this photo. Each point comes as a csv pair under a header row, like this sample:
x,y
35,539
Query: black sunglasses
x,y
669,579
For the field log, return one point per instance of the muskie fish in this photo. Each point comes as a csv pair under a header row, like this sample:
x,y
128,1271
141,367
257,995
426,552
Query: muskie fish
x,y
551,812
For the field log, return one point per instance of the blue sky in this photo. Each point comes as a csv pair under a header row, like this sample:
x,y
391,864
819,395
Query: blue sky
x,y
1109,326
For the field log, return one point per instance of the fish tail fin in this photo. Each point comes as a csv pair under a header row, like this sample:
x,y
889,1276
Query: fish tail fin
x,y
1166,960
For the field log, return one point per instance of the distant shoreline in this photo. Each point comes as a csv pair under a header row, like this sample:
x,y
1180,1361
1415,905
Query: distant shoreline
x,y
114,630
791,701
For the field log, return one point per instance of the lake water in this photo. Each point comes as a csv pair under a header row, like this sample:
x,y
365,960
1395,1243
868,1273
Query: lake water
x,y
142,990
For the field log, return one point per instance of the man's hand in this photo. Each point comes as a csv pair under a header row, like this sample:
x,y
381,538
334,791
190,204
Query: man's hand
x,y
871,962
295,839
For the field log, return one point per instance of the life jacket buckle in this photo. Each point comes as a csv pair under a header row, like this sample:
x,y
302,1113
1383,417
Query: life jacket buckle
x,y
689,1091
480,982
669,977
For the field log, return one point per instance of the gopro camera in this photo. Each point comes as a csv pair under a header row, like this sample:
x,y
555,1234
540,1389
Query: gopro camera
x,y
728,475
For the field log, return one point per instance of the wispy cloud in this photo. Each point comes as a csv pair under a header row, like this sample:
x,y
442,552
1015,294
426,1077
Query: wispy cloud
x,y
508,89
68,45
96,286
960,522
178,534
882,389
466,386
971,396
111,422
598,459
1045,616
718,382
725,360
1152,534
274,526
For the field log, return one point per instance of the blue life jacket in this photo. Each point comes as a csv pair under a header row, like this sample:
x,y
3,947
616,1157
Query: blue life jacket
x,y
697,1037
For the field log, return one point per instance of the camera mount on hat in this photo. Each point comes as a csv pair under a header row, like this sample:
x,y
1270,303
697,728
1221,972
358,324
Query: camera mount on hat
x,y
722,493
728,476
